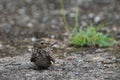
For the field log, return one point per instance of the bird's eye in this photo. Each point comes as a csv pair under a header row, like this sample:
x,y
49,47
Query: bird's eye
x,y
42,43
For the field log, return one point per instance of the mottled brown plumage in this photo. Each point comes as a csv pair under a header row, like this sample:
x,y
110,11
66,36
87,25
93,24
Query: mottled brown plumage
x,y
42,54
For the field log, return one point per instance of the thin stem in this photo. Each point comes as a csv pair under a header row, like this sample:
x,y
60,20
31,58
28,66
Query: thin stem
x,y
76,17
63,15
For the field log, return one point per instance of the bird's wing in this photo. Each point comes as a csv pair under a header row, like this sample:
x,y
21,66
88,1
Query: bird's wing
x,y
50,58
33,56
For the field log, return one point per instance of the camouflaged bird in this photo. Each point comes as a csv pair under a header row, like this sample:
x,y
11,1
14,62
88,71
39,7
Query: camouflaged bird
x,y
42,54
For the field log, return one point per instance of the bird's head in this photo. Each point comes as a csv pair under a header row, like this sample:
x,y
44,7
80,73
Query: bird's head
x,y
40,44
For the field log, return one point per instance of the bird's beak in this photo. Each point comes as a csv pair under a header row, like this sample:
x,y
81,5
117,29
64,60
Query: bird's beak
x,y
53,44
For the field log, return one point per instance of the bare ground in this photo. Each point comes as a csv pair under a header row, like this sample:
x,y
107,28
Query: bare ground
x,y
25,20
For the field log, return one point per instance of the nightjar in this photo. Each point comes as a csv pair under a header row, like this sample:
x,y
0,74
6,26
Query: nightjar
x,y
42,54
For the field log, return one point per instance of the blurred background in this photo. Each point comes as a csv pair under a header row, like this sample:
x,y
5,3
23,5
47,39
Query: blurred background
x,y
22,21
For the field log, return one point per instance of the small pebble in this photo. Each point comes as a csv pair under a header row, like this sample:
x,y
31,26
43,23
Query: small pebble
x,y
52,36
97,19
1,46
72,15
30,25
33,39
91,15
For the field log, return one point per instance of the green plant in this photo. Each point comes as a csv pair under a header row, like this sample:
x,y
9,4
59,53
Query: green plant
x,y
90,37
